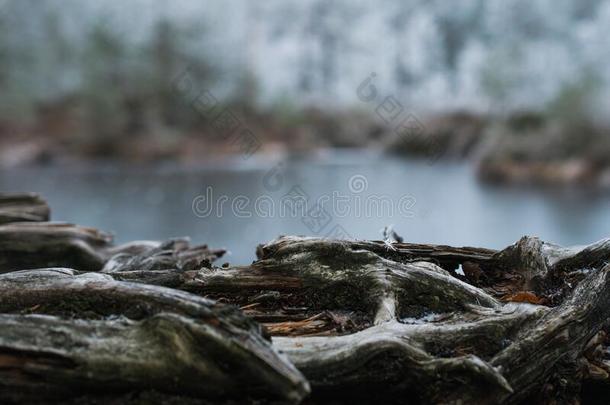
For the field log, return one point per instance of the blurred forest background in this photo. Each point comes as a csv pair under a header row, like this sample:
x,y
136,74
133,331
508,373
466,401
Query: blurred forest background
x,y
489,115
83,79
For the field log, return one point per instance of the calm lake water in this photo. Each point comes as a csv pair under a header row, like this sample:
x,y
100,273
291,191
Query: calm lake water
x,y
356,194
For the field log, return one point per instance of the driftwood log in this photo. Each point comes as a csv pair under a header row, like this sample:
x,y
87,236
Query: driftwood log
x,y
325,320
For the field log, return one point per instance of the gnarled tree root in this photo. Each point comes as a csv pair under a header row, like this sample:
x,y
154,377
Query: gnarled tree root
x,y
413,327
99,335
359,319
31,245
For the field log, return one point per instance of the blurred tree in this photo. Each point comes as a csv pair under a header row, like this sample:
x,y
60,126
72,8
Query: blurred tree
x,y
105,79
584,9
327,43
499,77
170,51
129,88
165,56
39,63
399,20
18,61
574,103
245,96
457,25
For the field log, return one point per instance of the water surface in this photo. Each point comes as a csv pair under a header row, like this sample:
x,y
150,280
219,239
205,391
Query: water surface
x,y
449,205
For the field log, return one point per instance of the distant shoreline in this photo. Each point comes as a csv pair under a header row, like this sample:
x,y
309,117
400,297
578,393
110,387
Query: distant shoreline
x,y
523,149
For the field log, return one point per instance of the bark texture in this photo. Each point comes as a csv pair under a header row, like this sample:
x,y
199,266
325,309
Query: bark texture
x,y
348,320
65,334
23,207
363,320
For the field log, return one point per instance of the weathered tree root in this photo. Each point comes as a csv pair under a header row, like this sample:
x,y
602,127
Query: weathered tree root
x,y
52,244
98,334
28,245
28,242
413,327
361,320
23,207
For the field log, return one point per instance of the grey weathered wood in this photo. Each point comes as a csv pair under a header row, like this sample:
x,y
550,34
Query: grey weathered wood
x,y
445,256
53,244
359,319
23,207
429,334
63,334
25,245
560,334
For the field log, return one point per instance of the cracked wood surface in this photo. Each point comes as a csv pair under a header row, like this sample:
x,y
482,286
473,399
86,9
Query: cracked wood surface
x,y
349,320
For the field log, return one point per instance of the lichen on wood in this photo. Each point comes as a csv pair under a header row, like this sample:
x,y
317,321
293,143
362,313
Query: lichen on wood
x,y
344,320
